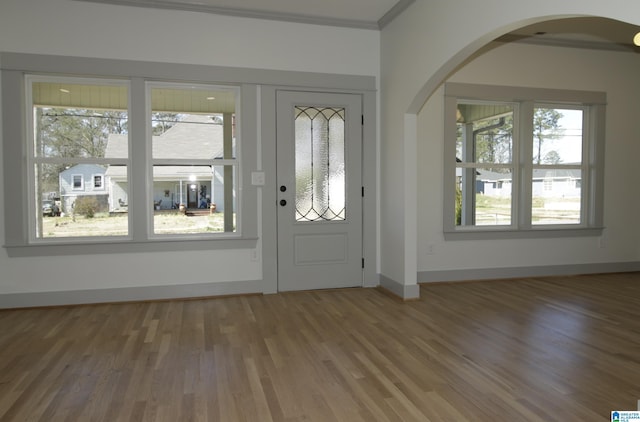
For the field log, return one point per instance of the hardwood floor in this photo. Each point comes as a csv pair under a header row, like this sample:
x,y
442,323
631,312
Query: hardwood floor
x,y
549,349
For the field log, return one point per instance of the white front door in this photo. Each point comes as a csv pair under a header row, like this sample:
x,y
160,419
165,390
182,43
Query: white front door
x,y
319,159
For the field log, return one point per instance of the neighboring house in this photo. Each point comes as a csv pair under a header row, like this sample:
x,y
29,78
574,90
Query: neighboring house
x,y
83,180
193,186
552,183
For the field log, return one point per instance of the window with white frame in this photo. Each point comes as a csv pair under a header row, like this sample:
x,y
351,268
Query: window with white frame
x,y
522,160
193,158
82,125
70,124
98,182
77,182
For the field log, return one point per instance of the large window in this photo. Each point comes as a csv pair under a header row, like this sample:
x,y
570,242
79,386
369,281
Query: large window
x,y
522,160
85,154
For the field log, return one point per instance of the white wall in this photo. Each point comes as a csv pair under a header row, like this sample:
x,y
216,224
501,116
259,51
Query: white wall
x,y
65,27
542,67
419,49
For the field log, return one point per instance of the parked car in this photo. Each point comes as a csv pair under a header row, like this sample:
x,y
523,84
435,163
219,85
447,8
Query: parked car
x,y
50,209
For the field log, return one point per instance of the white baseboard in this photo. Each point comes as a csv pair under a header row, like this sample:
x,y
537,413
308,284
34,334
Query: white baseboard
x,y
128,294
399,289
517,272
133,294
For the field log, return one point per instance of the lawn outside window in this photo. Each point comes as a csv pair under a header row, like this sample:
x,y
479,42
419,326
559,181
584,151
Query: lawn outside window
x,y
522,162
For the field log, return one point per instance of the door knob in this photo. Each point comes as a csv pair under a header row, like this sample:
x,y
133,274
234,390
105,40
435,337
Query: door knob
x,y
283,188
283,202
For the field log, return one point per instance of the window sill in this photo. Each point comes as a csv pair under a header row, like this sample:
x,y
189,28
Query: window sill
x,y
537,233
124,246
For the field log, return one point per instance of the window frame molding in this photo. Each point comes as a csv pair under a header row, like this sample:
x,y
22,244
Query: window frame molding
x,y
95,177
235,163
16,68
73,183
257,97
594,104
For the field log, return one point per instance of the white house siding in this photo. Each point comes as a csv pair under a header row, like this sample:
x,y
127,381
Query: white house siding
x,y
69,193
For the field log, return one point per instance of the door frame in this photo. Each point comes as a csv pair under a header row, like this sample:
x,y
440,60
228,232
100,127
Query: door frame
x,y
267,245
319,254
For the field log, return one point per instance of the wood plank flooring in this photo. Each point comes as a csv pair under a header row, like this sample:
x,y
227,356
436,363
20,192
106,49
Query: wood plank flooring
x,y
548,349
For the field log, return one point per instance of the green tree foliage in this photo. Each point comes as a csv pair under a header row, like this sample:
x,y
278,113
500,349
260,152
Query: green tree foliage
x,y
77,133
494,141
161,122
552,157
494,137
545,127
458,206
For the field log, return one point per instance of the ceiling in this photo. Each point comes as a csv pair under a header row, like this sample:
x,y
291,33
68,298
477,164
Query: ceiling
x,y
584,32
367,14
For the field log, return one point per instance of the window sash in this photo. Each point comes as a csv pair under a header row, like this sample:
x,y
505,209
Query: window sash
x,y
64,92
161,102
592,105
137,163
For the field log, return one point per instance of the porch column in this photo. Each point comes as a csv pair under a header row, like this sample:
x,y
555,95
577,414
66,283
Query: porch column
x,y
227,136
468,177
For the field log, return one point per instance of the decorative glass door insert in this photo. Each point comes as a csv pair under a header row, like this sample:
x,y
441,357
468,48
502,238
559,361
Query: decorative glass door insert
x,y
319,200
320,164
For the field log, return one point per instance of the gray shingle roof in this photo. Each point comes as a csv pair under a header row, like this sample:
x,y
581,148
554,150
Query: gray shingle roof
x,y
197,138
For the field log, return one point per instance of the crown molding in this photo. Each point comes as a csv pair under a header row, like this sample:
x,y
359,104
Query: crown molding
x,y
261,14
399,7
569,43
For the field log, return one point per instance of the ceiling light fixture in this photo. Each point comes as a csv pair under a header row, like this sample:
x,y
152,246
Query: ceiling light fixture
x,y
66,91
636,39
211,98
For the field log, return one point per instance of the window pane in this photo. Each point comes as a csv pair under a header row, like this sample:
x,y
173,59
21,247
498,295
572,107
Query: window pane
x,y
193,128
193,122
483,196
485,133
556,196
320,164
80,130
68,211
98,182
193,199
78,182
557,136
74,120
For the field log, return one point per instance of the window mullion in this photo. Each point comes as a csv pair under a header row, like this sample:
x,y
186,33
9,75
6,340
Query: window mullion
x,y
595,130
140,156
525,174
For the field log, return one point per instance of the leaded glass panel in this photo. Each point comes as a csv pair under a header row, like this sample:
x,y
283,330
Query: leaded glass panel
x,y
320,163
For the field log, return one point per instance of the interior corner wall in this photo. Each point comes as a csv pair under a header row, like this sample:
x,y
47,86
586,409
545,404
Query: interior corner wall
x,y
419,50
84,29
527,65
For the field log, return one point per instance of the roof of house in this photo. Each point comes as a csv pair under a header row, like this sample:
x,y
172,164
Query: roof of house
x,y
83,168
197,138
